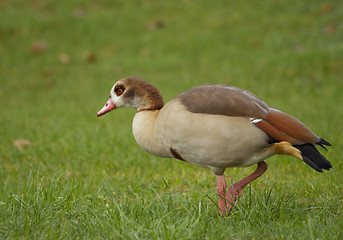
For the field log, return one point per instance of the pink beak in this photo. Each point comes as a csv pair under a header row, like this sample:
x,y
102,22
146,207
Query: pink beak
x,y
109,106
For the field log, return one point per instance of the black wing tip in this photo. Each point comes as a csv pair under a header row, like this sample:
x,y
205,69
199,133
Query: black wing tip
x,y
312,164
323,142
323,146
312,157
315,166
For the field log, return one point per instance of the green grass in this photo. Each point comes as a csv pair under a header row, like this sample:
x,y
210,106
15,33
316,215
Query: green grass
x,y
85,177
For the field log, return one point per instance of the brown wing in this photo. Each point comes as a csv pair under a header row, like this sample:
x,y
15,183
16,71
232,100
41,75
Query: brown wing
x,y
235,102
223,100
291,126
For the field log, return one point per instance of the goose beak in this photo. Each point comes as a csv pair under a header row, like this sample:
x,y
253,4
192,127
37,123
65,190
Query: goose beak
x,y
109,106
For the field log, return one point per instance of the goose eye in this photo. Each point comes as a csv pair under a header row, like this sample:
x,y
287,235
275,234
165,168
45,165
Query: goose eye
x,y
119,90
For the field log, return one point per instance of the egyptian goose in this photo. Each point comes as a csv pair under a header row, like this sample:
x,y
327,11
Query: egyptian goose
x,y
216,127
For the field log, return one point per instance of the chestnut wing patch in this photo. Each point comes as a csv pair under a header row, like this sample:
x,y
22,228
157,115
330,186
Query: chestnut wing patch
x,y
224,100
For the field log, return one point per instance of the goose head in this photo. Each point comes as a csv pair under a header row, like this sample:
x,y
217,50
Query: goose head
x,y
135,93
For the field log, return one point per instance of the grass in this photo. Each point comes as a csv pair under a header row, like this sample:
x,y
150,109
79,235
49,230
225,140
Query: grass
x,y
84,177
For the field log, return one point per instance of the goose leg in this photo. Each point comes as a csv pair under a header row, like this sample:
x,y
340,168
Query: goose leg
x,y
221,189
235,190
227,198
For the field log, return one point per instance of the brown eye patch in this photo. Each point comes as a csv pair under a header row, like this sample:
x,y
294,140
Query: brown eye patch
x,y
119,89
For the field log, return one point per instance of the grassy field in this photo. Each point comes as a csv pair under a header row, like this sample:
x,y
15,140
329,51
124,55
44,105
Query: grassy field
x,y
66,174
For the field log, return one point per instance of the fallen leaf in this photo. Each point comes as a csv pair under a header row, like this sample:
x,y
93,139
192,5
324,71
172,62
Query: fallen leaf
x,y
153,25
64,58
91,58
256,43
325,8
39,47
78,12
49,83
21,143
331,28
46,73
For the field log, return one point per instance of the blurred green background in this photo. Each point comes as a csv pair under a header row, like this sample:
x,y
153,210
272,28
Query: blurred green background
x,y
59,60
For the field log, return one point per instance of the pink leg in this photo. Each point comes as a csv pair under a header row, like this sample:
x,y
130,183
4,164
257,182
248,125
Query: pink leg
x,y
234,191
221,189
